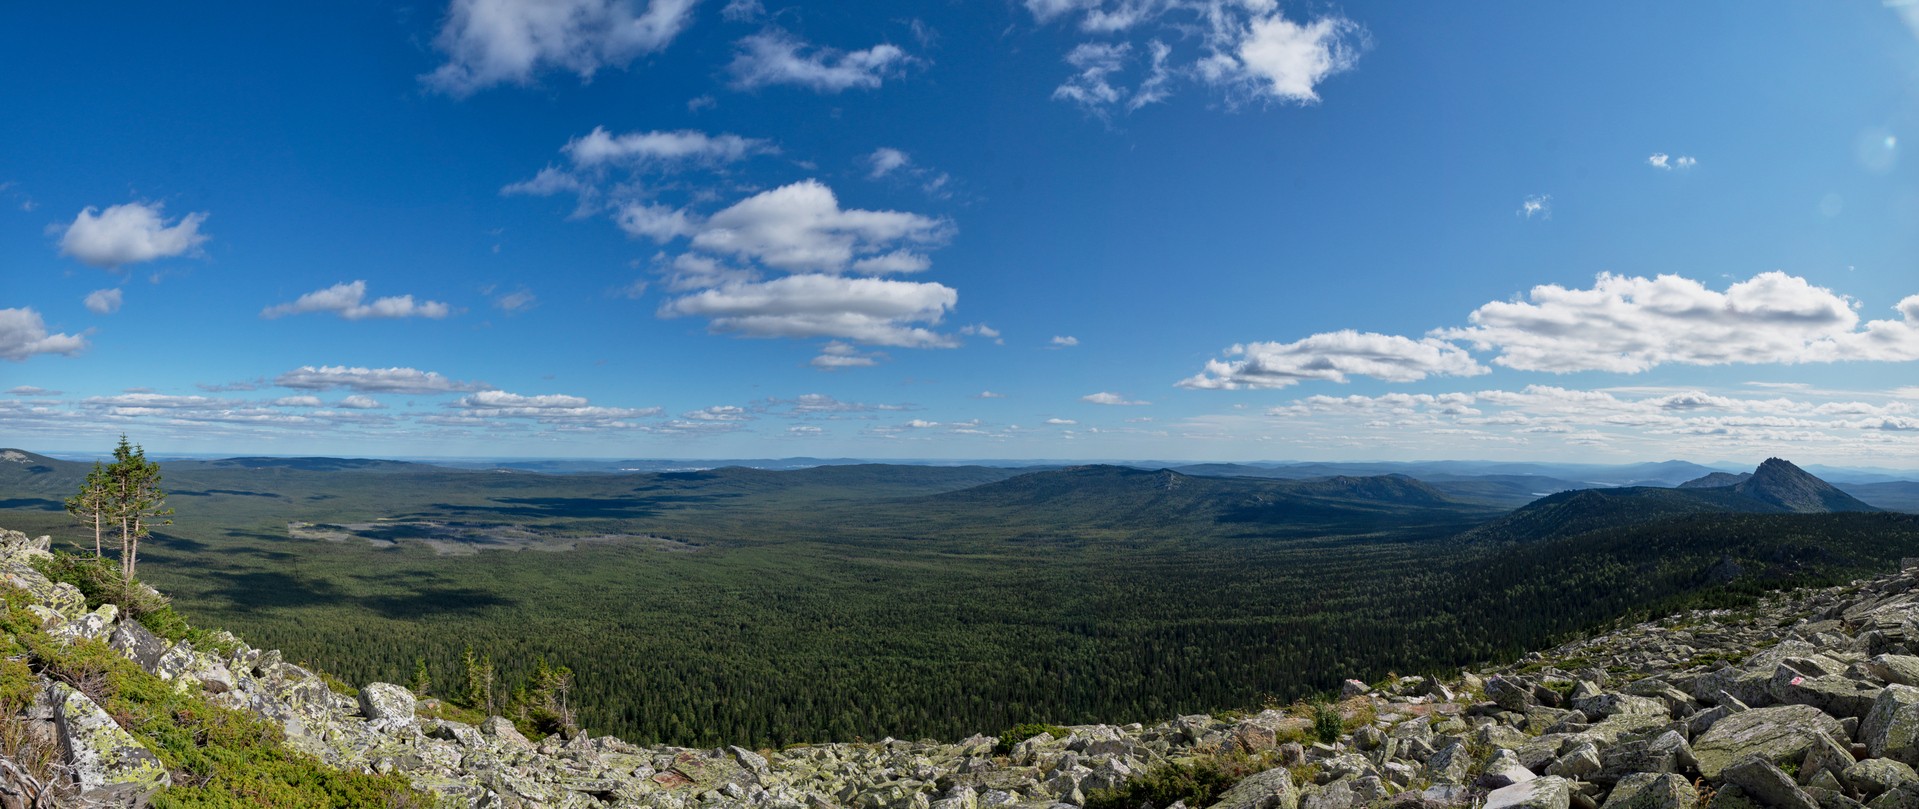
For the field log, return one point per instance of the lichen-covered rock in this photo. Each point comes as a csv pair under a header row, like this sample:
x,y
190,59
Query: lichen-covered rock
x,y
1272,789
1891,728
386,706
1550,792
1777,734
1653,791
1768,784
106,762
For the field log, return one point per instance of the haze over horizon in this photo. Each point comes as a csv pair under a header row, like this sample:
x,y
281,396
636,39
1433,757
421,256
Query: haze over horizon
x,y
1088,229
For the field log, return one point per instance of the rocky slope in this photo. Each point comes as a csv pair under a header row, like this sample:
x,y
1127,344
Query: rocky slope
x,y
1807,701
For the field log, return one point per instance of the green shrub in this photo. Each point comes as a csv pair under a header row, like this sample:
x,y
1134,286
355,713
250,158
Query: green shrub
x,y
220,758
1019,733
1327,723
1197,781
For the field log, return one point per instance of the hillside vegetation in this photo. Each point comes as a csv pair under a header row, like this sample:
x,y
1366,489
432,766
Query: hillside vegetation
x,y
768,608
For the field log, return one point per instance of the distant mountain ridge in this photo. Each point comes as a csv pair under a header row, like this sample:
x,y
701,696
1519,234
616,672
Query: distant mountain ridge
x,y
1776,487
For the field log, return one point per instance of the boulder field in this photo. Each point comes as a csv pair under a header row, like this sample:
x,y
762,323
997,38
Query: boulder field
x,y
1807,700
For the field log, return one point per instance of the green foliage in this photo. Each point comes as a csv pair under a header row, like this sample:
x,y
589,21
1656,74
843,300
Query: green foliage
x,y
421,683
220,757
1027,730
1327,723
1197,781
761,608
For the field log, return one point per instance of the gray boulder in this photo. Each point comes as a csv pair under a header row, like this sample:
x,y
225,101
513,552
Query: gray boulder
x,y
107,764
1550,792
1653,791
1877,775
1777,734
1768,784
1891,728
1272,789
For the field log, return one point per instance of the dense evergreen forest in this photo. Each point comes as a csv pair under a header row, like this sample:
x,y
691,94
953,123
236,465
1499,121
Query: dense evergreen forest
x,y
758,609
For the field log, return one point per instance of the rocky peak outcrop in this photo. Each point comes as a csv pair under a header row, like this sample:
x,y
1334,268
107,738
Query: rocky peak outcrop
x,y
1779,483
1808,700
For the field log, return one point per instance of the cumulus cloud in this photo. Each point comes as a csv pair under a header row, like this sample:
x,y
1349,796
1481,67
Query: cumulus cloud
x,y
1094,64
348,300
1278,59
489,42
297,401
987,394
130,234
1105,398
801,226
359,402
1629,324
372,380
29,390
1540,205
1335,356
104,301
1061,422
1064,341
983,330
660,223
775,57
867,310
23,334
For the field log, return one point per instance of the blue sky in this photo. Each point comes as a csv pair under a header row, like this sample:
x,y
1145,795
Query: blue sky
x,y
1184,229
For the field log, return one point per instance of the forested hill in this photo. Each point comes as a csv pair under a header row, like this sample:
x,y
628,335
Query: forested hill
x,y
1775,487
1119,496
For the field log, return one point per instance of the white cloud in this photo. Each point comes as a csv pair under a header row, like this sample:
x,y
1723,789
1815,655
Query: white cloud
x,y
801,226
1061,422
742,10
719,413
348,300
130,234
23,334
901,261
1540,205
775,57
518,300
983,330
1665,162
1245,49
1064,341
804,429
490,42
297,401
600,147
987,394
104,301
1094,64
551,409
29,390
1629,324
359,402
660,223
885,160
371,380
836,355
548,182
867,310
1105,398
1333,356
1285,61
